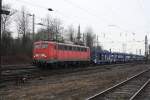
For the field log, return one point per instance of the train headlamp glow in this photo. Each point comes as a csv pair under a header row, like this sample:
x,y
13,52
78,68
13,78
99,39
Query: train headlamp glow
x,y
36,55
43,55
40,55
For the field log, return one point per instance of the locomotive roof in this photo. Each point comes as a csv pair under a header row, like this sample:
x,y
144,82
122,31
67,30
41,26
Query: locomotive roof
x,y
59,43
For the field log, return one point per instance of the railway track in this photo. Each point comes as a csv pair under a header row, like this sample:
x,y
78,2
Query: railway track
x,y
11,73
15,73
143,93
130,89
17,67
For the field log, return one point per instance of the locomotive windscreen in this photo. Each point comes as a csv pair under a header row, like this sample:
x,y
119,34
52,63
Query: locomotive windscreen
x,y
42,46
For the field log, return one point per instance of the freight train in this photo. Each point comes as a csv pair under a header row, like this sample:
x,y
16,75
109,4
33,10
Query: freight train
x,y
108,57
54,53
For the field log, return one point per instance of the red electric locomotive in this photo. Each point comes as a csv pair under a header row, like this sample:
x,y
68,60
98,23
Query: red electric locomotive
x,y
50,52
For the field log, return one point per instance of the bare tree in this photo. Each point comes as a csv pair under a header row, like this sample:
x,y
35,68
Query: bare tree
x,y
149,50
71,32
23,29
90,37
54,27
78,34
41,34
22,22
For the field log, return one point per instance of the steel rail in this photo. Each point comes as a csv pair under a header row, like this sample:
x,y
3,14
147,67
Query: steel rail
x,y
21,68
16,65
117,85
11,76
13,67
30,66
24,65
140,90
34,73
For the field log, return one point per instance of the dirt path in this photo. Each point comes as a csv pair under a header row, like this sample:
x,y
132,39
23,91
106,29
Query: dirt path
x,y
70,86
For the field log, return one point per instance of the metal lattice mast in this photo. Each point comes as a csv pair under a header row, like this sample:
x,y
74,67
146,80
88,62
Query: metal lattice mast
x,y
6,13
146,47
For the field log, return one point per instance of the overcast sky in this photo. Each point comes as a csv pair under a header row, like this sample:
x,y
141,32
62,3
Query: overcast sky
x,y
116,22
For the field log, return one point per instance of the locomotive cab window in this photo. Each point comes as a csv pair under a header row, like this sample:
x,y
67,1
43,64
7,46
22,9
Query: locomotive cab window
x,y
70,48
74,48
66,47
44,45
78,48
82,49
37,46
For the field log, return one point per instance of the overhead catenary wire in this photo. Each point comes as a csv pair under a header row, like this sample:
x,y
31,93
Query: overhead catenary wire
x,y
19,11
46,8
65,16
60,13
39,6
85,10
142,41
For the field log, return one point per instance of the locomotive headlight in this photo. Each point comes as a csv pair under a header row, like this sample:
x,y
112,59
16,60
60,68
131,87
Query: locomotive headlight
x,y
36,55
43,55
